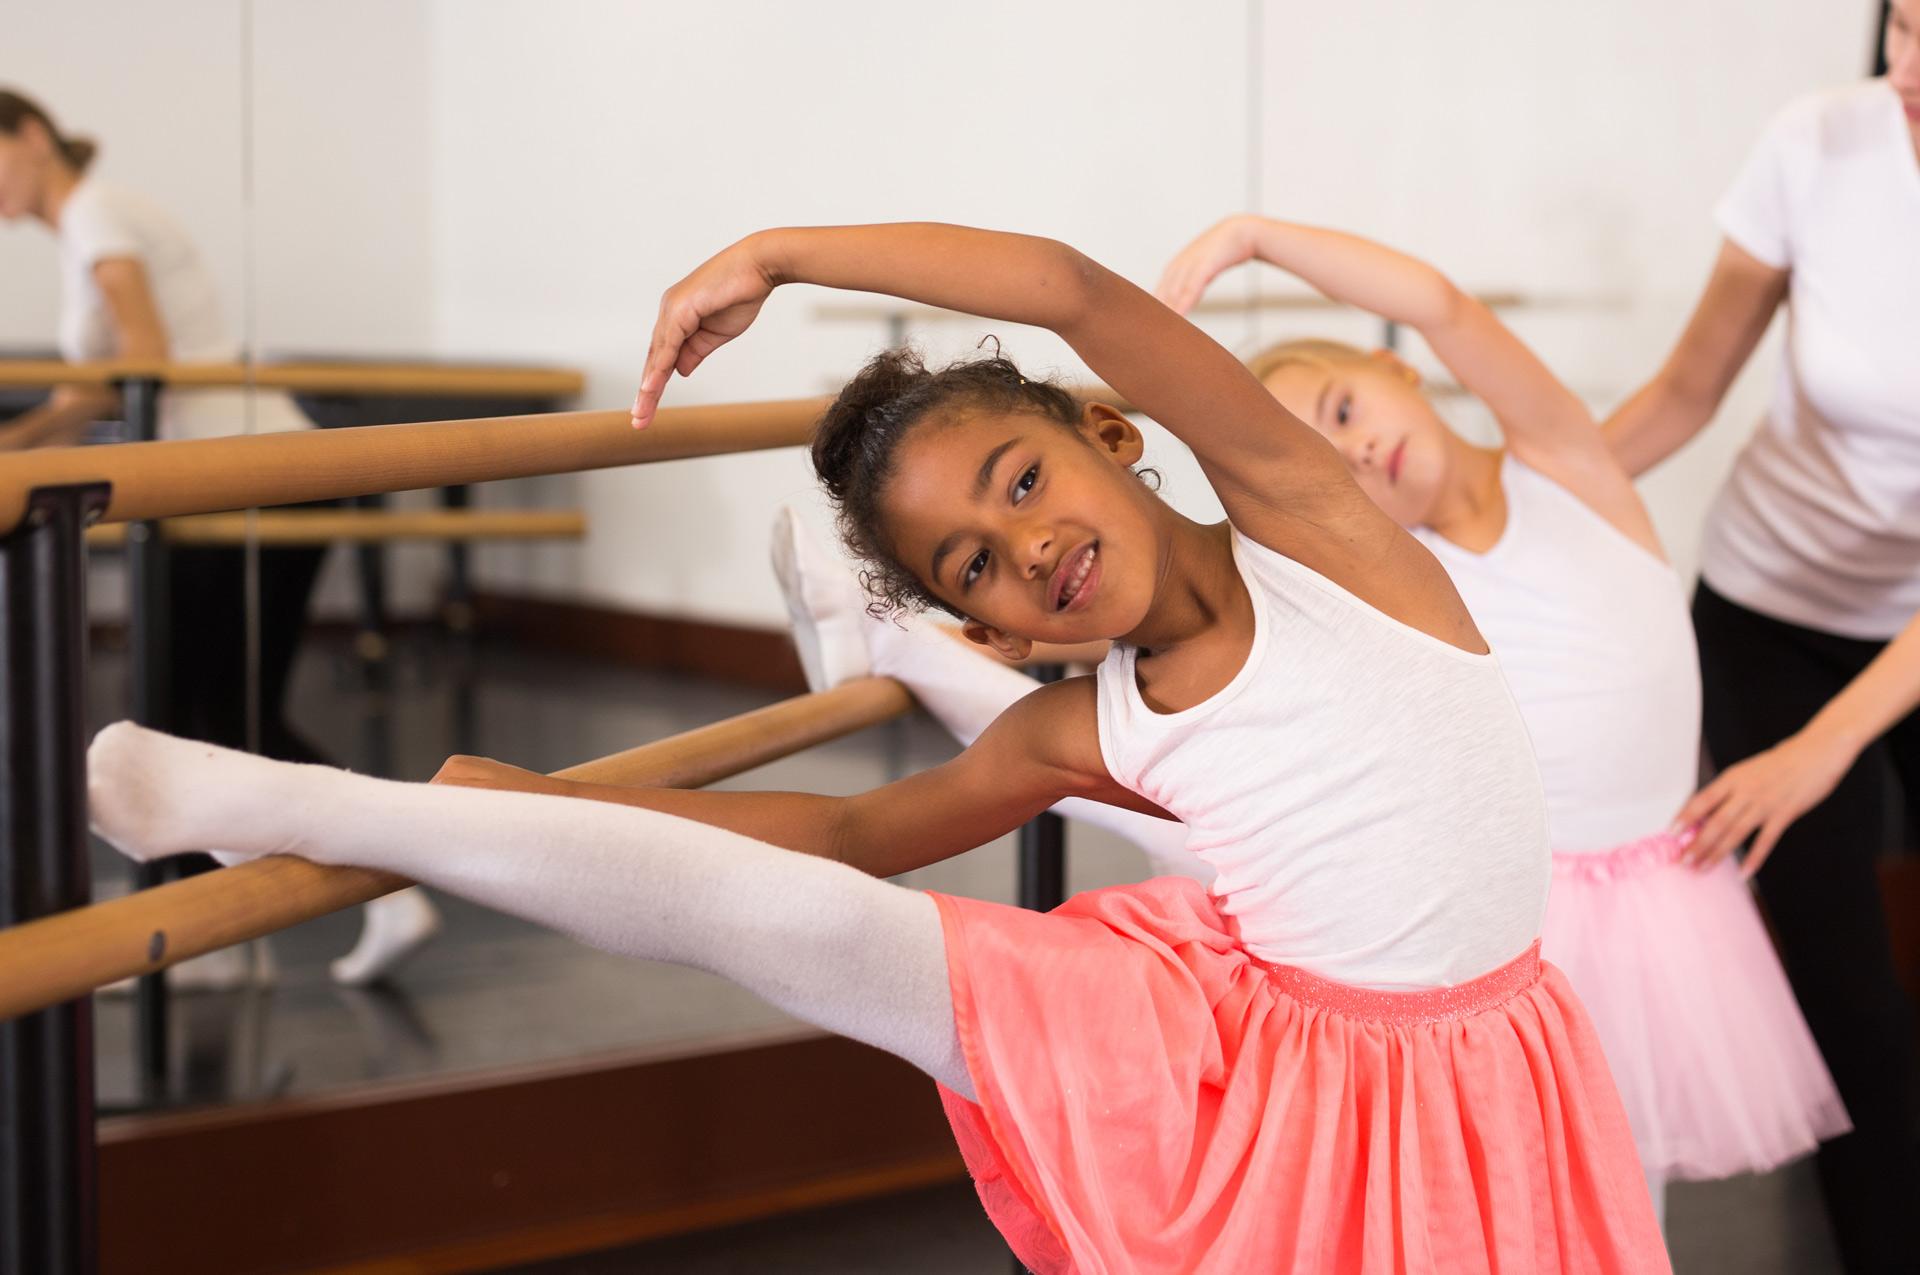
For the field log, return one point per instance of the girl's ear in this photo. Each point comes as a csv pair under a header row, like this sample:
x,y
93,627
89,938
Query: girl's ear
x,y
1398,366
39,140
1005,645
1108,428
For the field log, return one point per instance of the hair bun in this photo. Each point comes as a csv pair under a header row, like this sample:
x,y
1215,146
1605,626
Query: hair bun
x,y
79,151
865,412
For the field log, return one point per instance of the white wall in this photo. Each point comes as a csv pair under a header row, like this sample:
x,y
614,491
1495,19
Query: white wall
x,y
341,202
637,140
342,180
521,178
1572,153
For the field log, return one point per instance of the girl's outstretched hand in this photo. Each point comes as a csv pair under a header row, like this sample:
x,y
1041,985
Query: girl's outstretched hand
x,y
1766,792
484,772
698,315
1198,264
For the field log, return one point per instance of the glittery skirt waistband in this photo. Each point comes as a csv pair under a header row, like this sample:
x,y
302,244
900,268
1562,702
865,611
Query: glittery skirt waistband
x,y
1406,1009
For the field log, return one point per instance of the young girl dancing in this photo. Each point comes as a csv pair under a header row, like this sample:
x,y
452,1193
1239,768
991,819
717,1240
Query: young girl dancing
x,y
1558,562
1348,1058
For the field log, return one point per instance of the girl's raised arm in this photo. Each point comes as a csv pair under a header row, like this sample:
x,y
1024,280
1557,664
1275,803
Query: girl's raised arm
x,y
1279,481
1546,425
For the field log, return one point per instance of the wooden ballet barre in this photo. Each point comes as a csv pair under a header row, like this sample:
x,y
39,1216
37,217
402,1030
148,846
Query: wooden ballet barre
x,y
212,475
282,527
880,312
397,379
57,958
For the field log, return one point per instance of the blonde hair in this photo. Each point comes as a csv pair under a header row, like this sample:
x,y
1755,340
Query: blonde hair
x,y
1310,351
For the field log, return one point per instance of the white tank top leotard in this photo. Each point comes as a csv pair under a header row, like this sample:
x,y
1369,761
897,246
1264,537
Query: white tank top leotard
x,y
1365,792
1595,639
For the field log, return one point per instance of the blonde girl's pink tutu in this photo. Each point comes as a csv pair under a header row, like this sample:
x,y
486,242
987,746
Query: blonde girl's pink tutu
x,y
1154,1099
1715,1065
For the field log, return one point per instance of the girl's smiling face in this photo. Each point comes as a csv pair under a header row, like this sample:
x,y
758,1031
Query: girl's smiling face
x,y
1036,530
1373,411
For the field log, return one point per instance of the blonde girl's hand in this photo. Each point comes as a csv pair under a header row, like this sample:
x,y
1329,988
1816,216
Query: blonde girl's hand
x,y
1198,264
1761,797
698,315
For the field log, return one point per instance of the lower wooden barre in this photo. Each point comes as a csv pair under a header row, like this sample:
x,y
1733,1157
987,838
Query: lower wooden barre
x,y
58,958
358,526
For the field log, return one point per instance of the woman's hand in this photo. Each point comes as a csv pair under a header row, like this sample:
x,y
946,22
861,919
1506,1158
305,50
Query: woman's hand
x,y
698,315
483,772
1220,249
1767,791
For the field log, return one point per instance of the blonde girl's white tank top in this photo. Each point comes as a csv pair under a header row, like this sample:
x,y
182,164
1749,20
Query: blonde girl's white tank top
x,y
1366,793
1596,640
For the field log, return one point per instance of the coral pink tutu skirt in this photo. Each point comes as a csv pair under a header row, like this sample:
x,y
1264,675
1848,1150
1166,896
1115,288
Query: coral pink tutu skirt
x,y
1151,1098
1715,1065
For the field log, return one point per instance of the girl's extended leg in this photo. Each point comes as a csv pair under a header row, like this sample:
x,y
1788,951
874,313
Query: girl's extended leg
x,y
819,939
963,689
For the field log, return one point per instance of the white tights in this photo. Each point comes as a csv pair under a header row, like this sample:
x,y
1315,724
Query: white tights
x,y
821,940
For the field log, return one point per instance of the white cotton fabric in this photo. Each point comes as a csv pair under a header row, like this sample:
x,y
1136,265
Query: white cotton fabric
x,y
1819,523
1365,792
1594,636
102,222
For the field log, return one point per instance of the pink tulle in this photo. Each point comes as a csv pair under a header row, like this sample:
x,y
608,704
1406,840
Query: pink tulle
x,y
1152,1099
1716,1068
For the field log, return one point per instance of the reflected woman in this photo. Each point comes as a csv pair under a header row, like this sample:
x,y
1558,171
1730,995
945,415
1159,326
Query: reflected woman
x,y
134,286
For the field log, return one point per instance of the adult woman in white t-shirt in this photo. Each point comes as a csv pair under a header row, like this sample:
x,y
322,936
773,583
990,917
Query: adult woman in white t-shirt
x,y
133,285
1809,646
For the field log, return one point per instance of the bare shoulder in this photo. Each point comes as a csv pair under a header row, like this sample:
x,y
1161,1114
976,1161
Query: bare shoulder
x,y
1056,727
1594,476
1356,546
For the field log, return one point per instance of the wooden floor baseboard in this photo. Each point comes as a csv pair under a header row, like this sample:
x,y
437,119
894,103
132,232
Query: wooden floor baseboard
x,y
475,1172
748,656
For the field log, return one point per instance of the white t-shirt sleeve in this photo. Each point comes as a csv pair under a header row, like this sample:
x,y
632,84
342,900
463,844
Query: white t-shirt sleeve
x,y
1757,212
92,229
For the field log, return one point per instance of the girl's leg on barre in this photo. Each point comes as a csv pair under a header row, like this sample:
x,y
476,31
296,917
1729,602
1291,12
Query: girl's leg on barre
x,y
821,940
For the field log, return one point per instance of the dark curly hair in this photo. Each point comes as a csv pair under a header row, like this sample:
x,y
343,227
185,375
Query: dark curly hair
x,y
856,443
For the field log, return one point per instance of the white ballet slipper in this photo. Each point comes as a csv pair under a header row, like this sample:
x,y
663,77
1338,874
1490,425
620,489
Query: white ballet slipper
x,y
151,795
392,928
825,604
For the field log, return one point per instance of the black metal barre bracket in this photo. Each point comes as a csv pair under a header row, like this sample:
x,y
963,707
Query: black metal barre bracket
x,y
149,626
1043,854
47,1172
